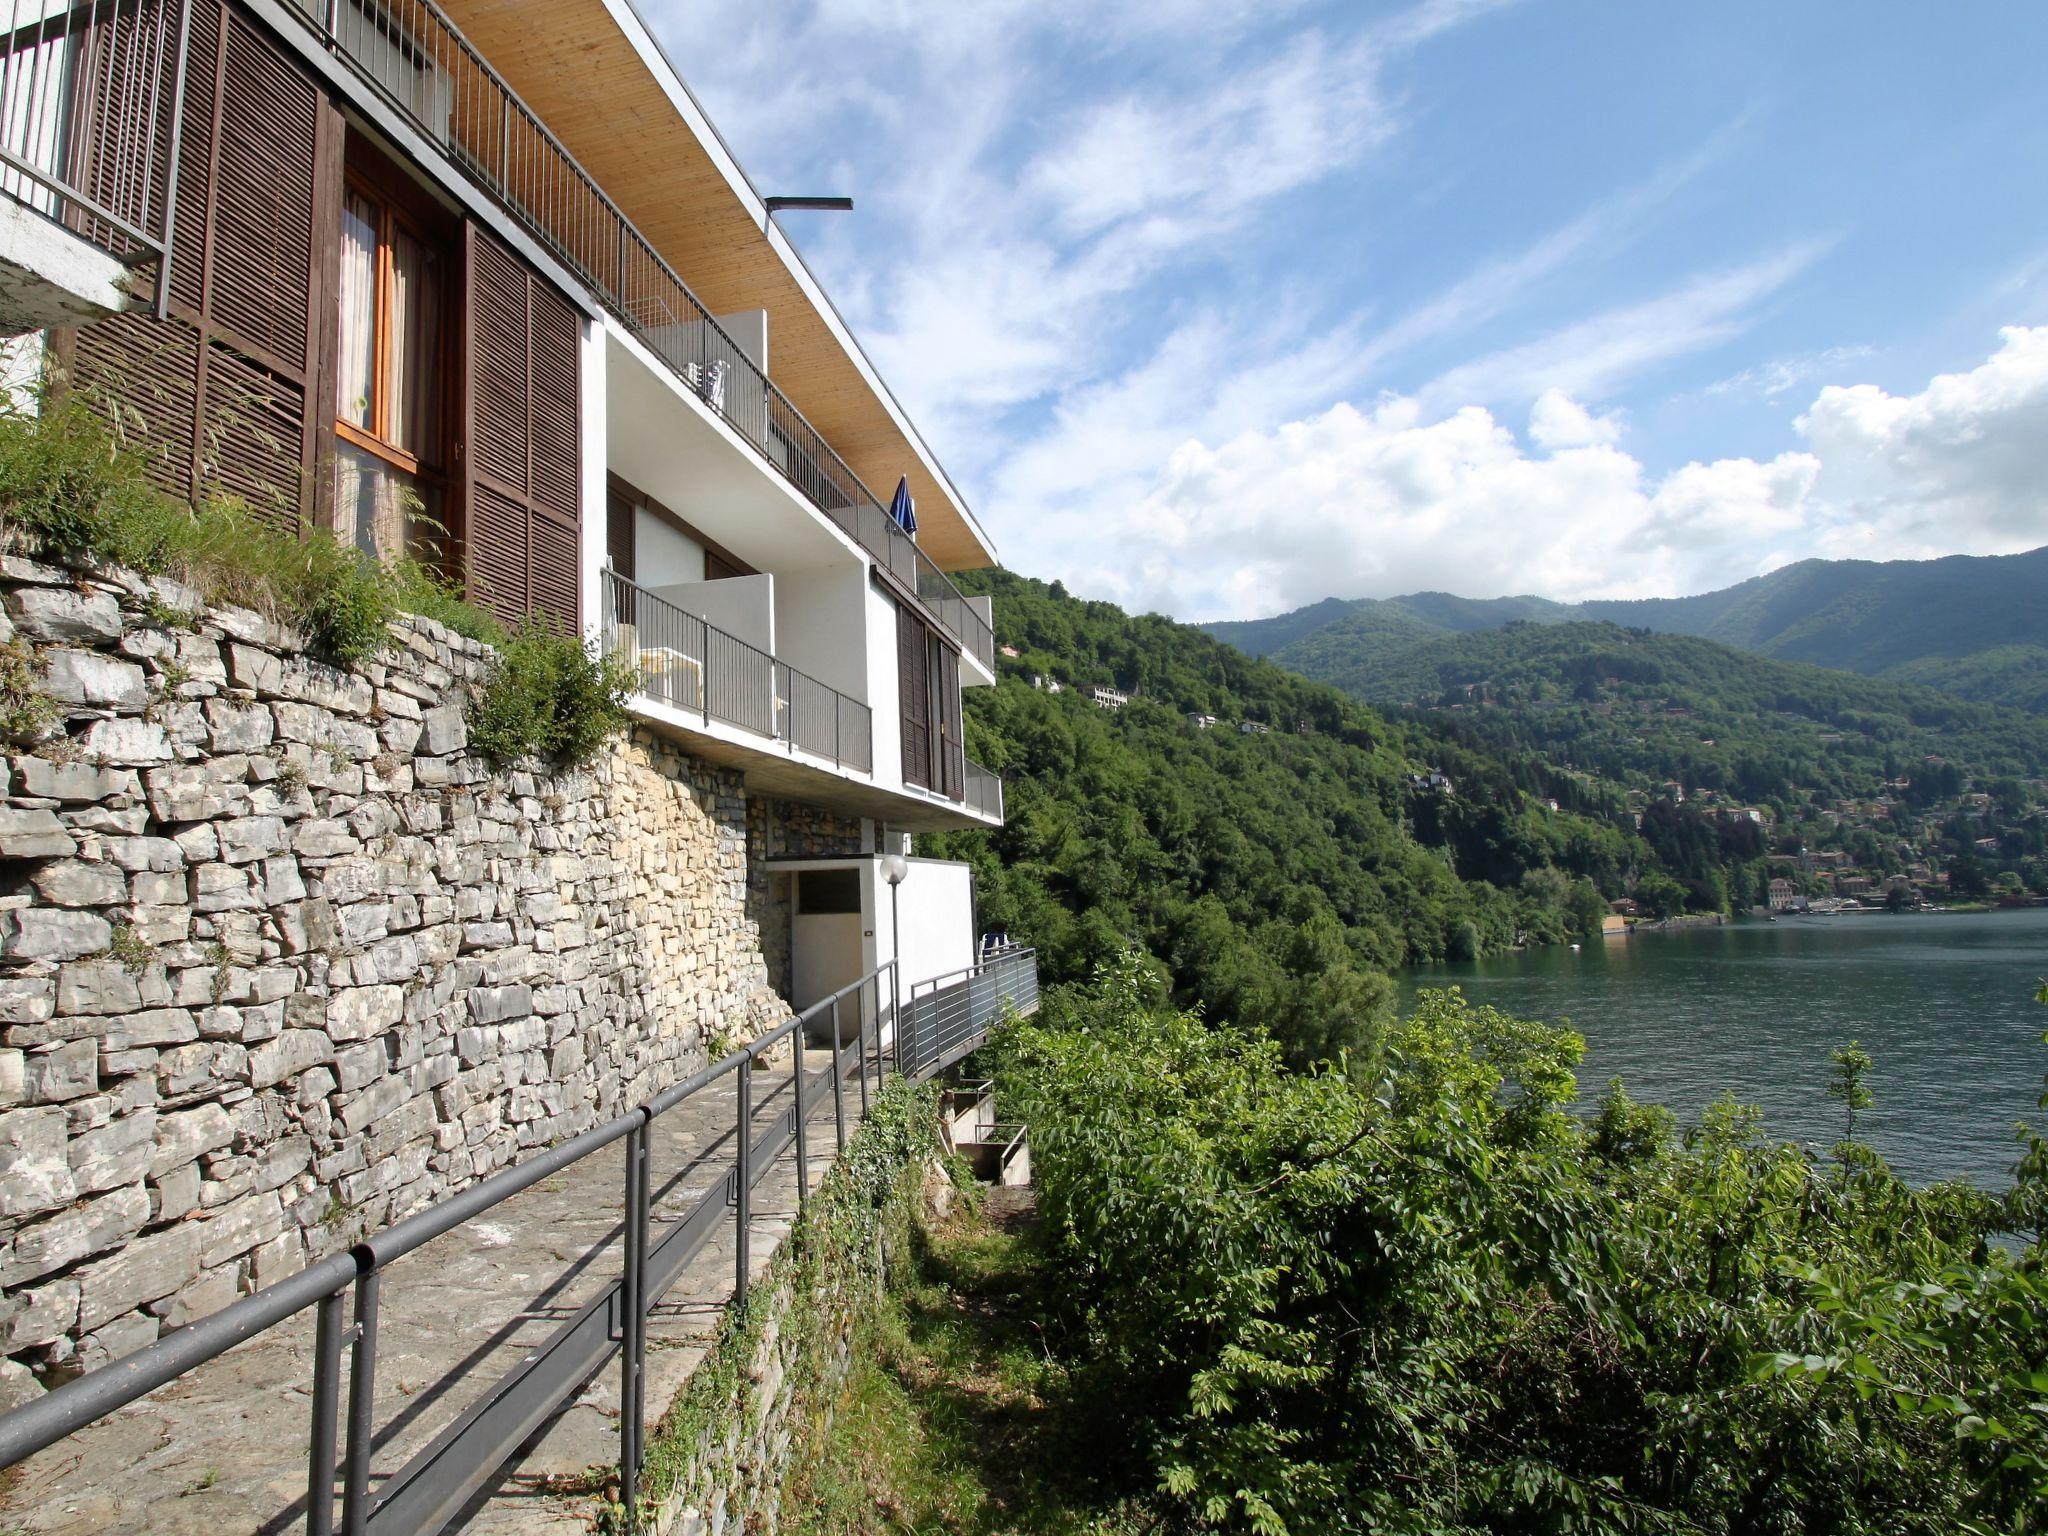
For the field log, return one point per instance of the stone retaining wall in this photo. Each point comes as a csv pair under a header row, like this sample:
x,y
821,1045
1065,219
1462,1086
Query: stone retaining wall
x,y
280,961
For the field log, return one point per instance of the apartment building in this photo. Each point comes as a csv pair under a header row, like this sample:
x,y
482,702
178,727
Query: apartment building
x,y
480,283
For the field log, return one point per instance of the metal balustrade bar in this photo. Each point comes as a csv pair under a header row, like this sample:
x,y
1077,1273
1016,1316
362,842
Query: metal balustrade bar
x,y
91,109
428,72
944,1020
694,666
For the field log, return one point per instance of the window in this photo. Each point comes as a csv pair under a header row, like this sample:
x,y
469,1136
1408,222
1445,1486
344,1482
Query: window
x,y
391,376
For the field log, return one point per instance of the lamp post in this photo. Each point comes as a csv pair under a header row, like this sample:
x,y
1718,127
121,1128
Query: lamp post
x,y
895,869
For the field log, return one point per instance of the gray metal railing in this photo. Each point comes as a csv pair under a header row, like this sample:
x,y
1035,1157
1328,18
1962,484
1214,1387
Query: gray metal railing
x,y
414,57
694,666
91,99
431,1488
984,790
947,1016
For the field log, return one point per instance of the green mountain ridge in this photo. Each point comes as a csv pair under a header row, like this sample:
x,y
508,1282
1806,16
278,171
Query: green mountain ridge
x,y
1973,625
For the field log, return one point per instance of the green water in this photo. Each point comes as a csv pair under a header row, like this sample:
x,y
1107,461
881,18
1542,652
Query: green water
x,y
1944,1004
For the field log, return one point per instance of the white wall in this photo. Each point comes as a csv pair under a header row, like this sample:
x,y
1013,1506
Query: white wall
x,y
820,626
742,606
595,448
663,555
882,694
936,903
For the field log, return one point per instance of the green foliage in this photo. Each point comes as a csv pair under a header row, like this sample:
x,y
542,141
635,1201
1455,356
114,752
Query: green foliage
x,y
26,713
1276,877
1424,1297
1849,1086
550,697
1976,627
69,488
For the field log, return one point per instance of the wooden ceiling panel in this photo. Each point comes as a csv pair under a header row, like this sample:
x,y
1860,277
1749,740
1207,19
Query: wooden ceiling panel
x,y
579,72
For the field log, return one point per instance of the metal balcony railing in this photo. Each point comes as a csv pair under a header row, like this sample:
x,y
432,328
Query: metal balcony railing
x,y
947,1018
91,100
984,790
417,61
697,667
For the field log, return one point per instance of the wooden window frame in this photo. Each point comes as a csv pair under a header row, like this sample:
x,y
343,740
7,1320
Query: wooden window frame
x,y
376,440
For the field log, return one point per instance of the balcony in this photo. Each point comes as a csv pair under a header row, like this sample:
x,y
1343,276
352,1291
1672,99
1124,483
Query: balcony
x,y
424,70
89,111
693,667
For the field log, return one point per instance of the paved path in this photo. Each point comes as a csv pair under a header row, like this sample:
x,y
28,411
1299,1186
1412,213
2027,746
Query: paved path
x,y
222,1450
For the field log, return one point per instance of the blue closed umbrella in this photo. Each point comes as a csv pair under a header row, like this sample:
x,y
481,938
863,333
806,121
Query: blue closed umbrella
x,y
902,508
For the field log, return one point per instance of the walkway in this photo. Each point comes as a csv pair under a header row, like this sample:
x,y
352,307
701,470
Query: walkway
x,y
223,1450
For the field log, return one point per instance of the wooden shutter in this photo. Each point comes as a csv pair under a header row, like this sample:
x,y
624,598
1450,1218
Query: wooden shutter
x,y
951,754
913,692
522,445
221,396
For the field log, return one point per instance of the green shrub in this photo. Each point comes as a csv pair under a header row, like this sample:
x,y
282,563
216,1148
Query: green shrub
x,y
69,488
1430,1299
551,697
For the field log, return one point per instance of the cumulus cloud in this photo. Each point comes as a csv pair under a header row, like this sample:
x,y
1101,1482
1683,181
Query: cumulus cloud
x,y
1392,498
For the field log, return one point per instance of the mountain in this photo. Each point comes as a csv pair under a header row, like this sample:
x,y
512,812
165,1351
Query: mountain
x,y
1889,778
1276,862
1973,625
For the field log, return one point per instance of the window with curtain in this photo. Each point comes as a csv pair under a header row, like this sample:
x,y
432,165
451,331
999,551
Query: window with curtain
x,y
388,429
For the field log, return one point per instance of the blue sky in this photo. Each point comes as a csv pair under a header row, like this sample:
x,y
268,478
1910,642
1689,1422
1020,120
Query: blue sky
x,y
1219,308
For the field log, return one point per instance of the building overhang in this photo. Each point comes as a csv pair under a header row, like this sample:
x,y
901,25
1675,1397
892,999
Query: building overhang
x,y
594,73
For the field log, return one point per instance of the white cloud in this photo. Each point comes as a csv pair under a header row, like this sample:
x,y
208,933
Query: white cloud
x,y
1393,498
1556,420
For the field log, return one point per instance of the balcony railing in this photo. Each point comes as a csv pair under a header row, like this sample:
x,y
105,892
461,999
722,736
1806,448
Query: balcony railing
x,y
946,1017
423,68
90,98
984,790
698,668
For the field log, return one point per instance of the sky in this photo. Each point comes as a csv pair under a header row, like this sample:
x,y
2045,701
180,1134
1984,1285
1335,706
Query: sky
x,y
1219,307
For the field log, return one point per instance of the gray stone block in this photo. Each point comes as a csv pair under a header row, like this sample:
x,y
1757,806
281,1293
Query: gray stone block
x,y
65,614
145,1270
78,883
41,933
33,833
95,681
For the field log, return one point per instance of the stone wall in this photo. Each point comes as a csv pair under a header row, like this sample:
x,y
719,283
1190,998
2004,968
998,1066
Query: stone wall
x,y
280,961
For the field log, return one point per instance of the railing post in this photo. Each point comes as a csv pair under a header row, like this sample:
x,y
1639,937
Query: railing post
x,y
743,1172
326,1414
803,1158
362,1404
860,1003
633,1325
838,1078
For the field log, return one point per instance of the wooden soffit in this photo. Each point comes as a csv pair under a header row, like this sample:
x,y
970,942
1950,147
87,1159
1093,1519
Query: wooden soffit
x,y
627,118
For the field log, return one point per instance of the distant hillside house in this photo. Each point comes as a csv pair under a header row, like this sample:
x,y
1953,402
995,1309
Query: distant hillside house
x,y
1108,698
1202,722
1784,896
1440,783
1254,728
1009,650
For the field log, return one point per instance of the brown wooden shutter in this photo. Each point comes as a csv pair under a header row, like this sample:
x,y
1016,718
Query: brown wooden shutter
x,y
221,396
951,754
522,443
913,691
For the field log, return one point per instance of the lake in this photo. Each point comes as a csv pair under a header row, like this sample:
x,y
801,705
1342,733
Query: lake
x,y
1944,1003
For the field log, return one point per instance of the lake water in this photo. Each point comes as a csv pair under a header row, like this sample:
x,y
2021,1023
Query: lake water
x,y
1944,1003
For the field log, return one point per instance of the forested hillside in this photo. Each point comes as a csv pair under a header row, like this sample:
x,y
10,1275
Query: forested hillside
x,y
1277,875
1976,626
1728,757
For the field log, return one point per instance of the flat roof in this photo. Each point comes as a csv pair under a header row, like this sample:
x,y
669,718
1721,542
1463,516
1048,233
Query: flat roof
x,y
595,74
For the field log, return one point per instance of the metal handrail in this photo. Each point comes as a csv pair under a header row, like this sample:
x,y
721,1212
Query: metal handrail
x,y
91,112
435,1484
422,66
690,664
